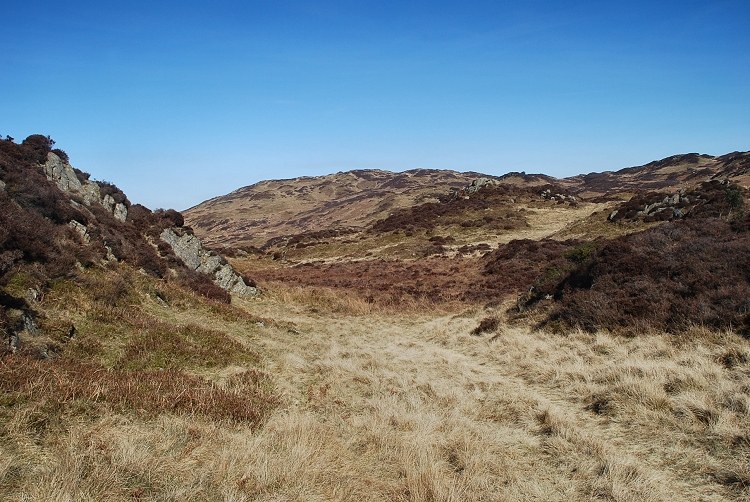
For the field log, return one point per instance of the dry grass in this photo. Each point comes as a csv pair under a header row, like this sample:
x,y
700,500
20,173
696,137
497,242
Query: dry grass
x,y
375,405
333,301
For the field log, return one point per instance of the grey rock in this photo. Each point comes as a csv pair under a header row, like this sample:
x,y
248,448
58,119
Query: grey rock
x,y
33,295
81,229
189,249
108,202
62,174
479,183
14,342
29,324
110,255
612,215
120,212
65,178
677,213
2,185
91,193
650,207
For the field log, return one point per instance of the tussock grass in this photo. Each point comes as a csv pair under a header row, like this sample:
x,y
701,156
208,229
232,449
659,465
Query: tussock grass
x,y
57,386
346,302
366,404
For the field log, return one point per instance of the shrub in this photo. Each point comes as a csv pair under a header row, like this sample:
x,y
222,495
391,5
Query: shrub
x,y
170,218
202,284
486,325
683,272
36,147
107,188
64,157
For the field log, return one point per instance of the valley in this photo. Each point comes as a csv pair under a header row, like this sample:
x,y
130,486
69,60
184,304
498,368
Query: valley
x,y
476,338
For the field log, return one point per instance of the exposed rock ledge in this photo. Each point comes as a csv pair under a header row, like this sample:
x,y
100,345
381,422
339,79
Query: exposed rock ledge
x,y
65,178
189,249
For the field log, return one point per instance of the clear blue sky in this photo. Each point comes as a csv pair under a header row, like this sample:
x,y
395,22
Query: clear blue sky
x,y
176,102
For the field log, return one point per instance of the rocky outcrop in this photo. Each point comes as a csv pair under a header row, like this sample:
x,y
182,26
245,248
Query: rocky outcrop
x,y
477,184
472,188
189,249
82,230
66,179
656,207
548,194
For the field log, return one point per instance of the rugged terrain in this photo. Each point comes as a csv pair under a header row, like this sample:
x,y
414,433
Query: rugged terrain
x,y
256,214
446,337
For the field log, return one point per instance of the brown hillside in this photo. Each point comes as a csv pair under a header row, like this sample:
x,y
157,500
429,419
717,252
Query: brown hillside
x,y
255,214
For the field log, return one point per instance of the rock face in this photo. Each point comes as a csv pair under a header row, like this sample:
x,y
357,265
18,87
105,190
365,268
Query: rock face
x,y
81,229
65,178
185,245
189,249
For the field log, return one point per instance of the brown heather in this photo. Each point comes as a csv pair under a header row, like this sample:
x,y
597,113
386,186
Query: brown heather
x,y
413,373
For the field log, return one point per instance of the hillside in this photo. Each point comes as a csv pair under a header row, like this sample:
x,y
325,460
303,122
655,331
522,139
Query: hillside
x,y
254,215
55,222
511,339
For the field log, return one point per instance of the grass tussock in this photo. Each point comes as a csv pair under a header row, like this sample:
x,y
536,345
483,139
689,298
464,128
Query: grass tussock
x,y
60,385
407,407
345,302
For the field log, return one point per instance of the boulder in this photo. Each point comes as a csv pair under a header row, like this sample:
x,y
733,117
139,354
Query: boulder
x,y
188,248
81,229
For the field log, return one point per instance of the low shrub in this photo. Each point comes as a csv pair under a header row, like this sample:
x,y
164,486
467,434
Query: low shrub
x,y
695,271
486,325
61,384
203,285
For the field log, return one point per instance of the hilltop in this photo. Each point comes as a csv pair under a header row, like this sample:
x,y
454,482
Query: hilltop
x,y
256,214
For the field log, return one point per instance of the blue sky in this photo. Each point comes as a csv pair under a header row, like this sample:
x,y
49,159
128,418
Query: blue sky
x,y
177,102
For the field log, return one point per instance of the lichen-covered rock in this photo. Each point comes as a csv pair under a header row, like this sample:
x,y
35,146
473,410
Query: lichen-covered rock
x,y
62,174
65,178
81,229
189,249
90,193
120,212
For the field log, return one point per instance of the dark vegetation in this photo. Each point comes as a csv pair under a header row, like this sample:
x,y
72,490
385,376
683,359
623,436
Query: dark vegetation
x,y
125,360
528,266
486,325
67,386
695,271
38,243
710,199
490,208
489,279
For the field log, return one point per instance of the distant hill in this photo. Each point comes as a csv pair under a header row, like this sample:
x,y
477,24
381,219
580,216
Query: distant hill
x,y
257,214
